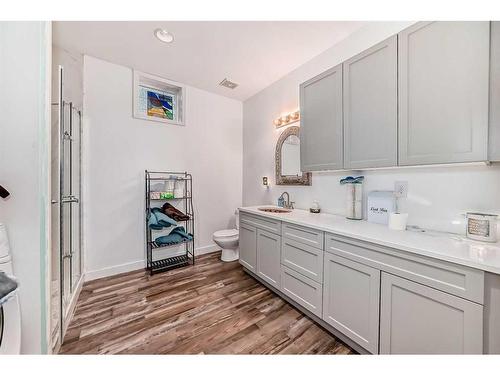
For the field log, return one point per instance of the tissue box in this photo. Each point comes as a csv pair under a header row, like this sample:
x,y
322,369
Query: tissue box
x,y
380,205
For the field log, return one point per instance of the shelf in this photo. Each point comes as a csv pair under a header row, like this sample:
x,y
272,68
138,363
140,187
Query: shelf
x,y
168,263
153,200
155,246
168,199
168,179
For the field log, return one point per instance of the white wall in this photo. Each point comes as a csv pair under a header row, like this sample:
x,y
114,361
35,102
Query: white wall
x,y
24,132
119,148
437,195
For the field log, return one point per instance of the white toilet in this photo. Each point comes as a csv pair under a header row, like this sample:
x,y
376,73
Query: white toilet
x,y
228,240
10,314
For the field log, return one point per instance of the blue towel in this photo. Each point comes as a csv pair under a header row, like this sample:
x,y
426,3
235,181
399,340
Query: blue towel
x,y
178,235
158,220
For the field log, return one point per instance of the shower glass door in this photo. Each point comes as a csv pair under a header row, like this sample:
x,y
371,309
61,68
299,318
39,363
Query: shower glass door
x,y
66,212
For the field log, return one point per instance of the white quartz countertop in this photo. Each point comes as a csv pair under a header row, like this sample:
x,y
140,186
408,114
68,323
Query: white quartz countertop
x,y
444,246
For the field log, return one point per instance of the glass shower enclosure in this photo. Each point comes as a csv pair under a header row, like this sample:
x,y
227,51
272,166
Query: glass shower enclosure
x,y
66,259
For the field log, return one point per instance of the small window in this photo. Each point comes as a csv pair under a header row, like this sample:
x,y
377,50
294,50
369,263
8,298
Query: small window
x,y
158,99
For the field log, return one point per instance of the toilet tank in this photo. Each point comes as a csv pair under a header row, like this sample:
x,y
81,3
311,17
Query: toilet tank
x,y
237,217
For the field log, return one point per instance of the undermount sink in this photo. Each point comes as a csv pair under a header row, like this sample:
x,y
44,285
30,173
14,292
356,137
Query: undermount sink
x,y
276,210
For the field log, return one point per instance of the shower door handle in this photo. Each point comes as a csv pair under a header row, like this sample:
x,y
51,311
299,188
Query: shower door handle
x,y
69,199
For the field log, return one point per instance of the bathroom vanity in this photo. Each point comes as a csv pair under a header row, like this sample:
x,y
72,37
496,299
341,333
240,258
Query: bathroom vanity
x,y
381,291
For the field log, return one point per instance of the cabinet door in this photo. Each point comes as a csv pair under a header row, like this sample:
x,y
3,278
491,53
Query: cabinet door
x,y
248,247
370,107
494,137
443,92
416,319
269,257
351,294
321,122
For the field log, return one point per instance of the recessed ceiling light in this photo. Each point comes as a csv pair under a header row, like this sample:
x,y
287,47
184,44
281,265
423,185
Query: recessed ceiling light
x,y
164,35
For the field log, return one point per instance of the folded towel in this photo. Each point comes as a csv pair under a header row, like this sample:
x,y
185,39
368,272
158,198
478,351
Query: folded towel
x,y
173,212
352,180
158,220
8,287
178,235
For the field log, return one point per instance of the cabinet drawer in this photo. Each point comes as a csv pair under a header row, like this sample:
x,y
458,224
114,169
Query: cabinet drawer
x,y
302,290
459,280
304,259
273,226
308,236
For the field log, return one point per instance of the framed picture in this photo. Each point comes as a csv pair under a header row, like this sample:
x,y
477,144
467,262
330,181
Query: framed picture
x,y
158,99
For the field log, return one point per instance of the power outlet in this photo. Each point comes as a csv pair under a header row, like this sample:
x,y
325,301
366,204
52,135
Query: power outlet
x,y
401,189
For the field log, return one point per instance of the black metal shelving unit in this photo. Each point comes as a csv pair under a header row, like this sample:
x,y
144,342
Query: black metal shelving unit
x,y
156,264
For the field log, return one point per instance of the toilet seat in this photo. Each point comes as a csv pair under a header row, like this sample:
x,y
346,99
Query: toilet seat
x,y
226,233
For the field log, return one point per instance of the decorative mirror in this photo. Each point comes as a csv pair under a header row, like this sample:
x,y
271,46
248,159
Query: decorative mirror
x,y
288,159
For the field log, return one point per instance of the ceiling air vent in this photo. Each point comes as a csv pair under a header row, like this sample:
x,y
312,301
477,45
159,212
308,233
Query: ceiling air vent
x,y
226,83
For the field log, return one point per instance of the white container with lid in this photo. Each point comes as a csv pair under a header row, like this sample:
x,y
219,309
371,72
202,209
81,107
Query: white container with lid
x,y
380,205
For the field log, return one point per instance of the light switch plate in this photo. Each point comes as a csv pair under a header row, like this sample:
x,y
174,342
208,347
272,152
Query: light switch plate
x,y
401,189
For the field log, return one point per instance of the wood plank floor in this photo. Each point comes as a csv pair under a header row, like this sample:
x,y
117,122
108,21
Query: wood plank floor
x,y
211,308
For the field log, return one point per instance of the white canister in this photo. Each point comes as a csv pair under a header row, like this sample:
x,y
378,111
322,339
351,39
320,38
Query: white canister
x,y
179,193
354,201
481,227
398,221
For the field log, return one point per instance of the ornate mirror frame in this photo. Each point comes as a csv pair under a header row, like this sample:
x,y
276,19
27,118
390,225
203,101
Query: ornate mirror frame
x,y
305,178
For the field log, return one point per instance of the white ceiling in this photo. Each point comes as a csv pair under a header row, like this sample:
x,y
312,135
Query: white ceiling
x,y
252,54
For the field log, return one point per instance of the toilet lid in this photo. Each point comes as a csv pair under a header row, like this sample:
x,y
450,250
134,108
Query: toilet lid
x,y
226,233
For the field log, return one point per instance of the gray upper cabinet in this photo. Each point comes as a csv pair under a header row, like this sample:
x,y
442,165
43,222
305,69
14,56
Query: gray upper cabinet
x,y
248,246
370,107
494,136
269,257
443,92
321,138
416,319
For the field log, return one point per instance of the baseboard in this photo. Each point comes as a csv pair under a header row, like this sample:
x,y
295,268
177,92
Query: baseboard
x,y
114,270
206,249
137,265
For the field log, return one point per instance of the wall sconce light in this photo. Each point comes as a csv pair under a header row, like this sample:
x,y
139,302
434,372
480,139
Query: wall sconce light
x,y
287,119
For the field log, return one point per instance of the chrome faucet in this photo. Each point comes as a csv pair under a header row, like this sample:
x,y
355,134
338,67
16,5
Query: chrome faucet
x,y
287,203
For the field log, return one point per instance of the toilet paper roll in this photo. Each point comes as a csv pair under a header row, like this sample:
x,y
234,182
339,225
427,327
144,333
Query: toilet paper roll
x,y
4,241
398,221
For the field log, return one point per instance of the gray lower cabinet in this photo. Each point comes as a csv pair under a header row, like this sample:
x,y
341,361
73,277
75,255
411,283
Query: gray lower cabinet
x,y
370,107
321,138
416,319
443,92
248,247
303,290
351,294
494,136
269,257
